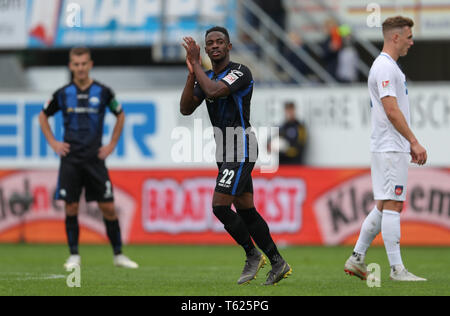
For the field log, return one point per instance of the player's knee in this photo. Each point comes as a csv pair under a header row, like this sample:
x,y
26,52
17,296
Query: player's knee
x,y
108,211
71,209
399,208
220,199
243,205
244,202
396,206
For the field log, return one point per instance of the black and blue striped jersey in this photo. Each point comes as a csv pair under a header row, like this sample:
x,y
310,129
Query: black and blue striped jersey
x,y
231,114
83,115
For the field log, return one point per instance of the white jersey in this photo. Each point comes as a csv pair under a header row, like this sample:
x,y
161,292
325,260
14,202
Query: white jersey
x,y
386,79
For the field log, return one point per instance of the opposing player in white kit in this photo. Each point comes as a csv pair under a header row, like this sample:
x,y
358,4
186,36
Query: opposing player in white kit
x,y
392,145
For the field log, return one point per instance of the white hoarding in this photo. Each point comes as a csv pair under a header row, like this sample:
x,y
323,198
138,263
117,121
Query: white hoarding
x,y
13,33
431,17
337,119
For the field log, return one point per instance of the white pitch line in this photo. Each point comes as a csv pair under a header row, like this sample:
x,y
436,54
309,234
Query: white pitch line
x,y
31,277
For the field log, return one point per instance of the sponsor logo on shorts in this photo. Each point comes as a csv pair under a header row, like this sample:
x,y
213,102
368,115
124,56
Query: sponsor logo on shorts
x,y
399,190
385,83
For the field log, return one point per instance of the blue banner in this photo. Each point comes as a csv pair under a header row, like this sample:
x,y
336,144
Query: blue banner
x,y
106,23
22,141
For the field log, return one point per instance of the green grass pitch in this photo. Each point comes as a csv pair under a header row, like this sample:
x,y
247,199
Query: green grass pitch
x,y
210,271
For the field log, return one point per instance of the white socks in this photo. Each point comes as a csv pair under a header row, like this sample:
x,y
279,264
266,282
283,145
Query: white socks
x,y
390,229
369,230
388,223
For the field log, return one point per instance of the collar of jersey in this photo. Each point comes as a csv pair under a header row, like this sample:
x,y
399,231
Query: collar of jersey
x,y
218,76
390,58
85,90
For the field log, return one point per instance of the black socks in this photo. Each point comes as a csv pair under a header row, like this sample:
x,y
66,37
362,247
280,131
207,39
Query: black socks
x,y
73,232
259,230
236,227
113,232
245,225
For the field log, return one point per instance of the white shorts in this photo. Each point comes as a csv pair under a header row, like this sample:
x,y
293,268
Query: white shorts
x,y
390,175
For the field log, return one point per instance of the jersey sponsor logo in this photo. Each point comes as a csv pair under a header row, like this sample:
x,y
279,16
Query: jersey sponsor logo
x,y
385,84
82,110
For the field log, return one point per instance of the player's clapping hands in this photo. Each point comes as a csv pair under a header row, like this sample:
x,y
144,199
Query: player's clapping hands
x,y
193,55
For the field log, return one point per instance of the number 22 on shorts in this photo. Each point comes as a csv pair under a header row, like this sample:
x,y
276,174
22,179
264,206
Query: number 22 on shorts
x,y
227,178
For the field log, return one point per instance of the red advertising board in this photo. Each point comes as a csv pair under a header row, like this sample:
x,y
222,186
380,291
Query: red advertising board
x,y
303,206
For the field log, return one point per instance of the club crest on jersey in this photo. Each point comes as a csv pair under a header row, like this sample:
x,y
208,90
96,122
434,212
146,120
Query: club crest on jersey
x,y
399,190
94,101
385,83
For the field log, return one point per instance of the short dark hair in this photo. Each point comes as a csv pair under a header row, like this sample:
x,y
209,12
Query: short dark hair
x,y
396,22
78,51
219,29
289,105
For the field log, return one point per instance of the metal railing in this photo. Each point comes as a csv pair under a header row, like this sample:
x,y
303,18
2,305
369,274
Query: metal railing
x,y
364,43
310,57
269,26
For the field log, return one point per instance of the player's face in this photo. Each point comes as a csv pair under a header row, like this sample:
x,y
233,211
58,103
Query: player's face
x,y
290,114
405,41
80,66
217,46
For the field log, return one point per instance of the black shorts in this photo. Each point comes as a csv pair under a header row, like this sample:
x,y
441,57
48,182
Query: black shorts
x,y
235,178
91,175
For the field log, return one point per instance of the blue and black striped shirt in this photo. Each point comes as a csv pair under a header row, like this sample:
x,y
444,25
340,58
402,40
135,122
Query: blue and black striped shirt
x,y
232,112
83,114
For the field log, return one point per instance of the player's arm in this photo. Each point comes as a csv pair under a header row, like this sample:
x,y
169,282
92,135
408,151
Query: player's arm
x,y
189,102
106,150
50,108
396,117
212,89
